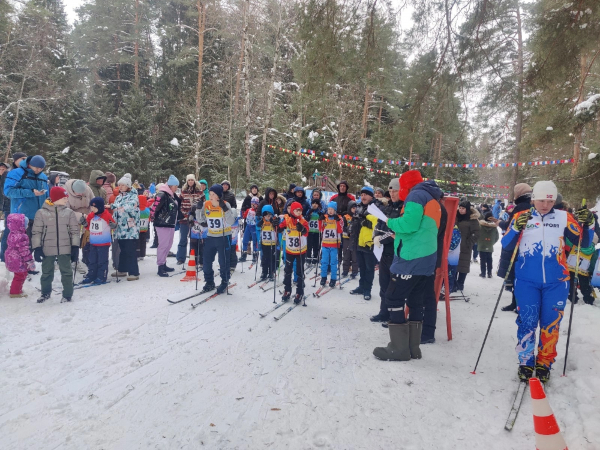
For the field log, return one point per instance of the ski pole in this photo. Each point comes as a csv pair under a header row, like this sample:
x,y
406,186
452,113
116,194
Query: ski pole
x,y
573,295
319,258
512,259
339,273
273,267
257,256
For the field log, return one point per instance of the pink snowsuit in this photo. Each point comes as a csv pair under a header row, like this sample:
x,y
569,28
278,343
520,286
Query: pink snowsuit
x,y
18,257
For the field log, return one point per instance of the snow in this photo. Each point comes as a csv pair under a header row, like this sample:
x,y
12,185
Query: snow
x,y
312,135
584,106
549,129
120,368
174,142
277,85
66,150
592,155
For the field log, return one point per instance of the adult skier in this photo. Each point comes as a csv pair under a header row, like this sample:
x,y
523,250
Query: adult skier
x,y
542,274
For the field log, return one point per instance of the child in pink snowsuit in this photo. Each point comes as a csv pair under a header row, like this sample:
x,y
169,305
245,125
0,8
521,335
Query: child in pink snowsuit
x,y
18,257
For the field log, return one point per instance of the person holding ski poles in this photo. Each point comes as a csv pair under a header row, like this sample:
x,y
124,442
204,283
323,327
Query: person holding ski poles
x,y
217,216
331,227
542,274
296,229
267,237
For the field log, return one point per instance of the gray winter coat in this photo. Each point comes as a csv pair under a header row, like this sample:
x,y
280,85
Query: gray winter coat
x,y
55,229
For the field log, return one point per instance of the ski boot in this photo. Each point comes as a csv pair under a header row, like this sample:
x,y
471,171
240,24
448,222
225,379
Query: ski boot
x,y
263,277
323,281
87,281
286,296
43,298
353,276
222,288
525,373
344,274
244,257
254,257
357,291
208,287
332,283
542,372
65,299
367,295
99,281
298,299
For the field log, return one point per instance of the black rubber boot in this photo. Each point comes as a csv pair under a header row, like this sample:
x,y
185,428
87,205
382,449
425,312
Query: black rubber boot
x,y
161,271
168,269
415,329
398,349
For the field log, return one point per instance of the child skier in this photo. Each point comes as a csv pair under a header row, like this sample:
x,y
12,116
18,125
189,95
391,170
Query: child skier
x,y
541,275
99,223
296,229
267,229
217,216
349,258
331,227
250,230
144,226
18,257
488,236
314,237
55,237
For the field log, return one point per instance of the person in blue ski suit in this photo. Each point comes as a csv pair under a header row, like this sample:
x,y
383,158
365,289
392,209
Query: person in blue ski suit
x,y
542,274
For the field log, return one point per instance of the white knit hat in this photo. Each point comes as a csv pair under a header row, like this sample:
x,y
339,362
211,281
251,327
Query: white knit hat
x,y
191,176
126,181
544,190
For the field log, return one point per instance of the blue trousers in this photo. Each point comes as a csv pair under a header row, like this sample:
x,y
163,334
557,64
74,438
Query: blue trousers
x,y
329,259
543,304
184,232
98,262
249,233
4,243
212,246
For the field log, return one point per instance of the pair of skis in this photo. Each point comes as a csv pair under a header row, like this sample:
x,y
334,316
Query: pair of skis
x,y
284,313
262,286
83,286
174,302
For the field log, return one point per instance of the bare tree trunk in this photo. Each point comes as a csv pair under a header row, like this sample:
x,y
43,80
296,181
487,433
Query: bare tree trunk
x,y
16,119
439,156
579,130
271,94
230,126
520,94
379,116
246,72
242,53
366,109
136,48
201,27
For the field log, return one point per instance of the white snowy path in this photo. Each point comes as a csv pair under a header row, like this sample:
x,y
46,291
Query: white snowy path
x,y
120,368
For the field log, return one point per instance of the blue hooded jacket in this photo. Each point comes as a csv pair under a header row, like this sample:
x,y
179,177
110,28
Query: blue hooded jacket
x,y
19,187
497,209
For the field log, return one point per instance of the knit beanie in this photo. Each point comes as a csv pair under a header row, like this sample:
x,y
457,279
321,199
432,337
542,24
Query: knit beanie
x,y
332,205
57,192
254,201
522,189
18,155
191,176
465,204
487,216
381,191
367,190
544,190
226,182
37,161
98,202
111,178
79,186
315,201
409,180
143,202
125,181
172,181
217,189
127,175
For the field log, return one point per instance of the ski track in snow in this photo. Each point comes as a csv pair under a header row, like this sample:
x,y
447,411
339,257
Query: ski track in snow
x,y
120,368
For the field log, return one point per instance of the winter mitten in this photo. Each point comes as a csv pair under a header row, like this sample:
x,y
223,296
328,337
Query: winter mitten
x,y
74,253
112,225
300,227
38,254
223,205
83,220
366,223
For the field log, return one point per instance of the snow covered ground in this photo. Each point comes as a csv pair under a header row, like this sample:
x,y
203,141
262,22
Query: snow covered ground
x,y
120,368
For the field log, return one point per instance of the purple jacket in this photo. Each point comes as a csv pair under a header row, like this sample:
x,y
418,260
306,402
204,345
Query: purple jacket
x,y
18,257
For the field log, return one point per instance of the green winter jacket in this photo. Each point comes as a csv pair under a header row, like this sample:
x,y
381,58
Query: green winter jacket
x,y
416,230
488,236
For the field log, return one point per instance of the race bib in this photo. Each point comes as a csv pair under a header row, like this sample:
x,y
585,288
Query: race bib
x,y
97,226
144,223
584,262
293,243
313,225
268,237
595,275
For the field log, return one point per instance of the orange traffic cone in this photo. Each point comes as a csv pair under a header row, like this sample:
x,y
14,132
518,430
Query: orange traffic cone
x,y
190,274
547,433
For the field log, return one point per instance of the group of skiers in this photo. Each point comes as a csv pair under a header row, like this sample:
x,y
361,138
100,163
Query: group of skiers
x,y
543,244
